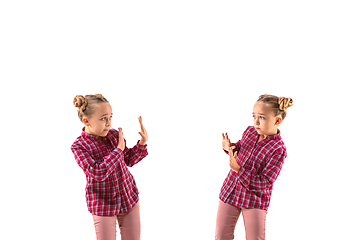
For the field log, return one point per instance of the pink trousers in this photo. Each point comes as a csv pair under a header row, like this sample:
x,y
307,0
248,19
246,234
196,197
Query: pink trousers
x,y
129,224
227,216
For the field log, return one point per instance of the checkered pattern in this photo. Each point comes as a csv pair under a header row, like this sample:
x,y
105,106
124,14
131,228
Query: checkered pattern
x,y
110,188
260,165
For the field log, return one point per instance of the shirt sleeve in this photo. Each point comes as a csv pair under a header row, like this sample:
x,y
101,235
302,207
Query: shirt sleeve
x,y
135,154
94,169
267,176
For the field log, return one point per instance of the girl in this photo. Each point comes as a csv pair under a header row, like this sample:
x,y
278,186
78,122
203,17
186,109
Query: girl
x,y
101,152
255,163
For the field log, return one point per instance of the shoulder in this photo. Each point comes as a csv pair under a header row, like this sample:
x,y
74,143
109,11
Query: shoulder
x,y
84,141
282,147
80,142
250,131
279,148
113,133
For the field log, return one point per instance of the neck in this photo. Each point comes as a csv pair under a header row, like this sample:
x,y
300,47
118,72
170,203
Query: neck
x,y
99,138
87,130
262,137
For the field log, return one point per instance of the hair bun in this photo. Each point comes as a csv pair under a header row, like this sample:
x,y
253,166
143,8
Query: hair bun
x,y
285,103
80,102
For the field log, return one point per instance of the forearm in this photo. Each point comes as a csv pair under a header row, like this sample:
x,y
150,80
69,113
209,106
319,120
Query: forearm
x,y
267,176
135,154
259,182
94,169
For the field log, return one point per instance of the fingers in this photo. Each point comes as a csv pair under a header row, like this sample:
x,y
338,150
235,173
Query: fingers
x,y
121,143
141,125
140,121
231,154
231,151
232,161
120,133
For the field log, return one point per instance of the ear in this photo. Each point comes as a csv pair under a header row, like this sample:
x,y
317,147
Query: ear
x,y
85,121
278,120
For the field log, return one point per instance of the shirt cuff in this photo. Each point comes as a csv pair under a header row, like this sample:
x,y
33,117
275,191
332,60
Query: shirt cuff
x,y
143,146
244,177
232,144
118,150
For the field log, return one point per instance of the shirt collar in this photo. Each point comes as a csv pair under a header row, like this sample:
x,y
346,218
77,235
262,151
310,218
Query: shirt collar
x,y
275,137
270,137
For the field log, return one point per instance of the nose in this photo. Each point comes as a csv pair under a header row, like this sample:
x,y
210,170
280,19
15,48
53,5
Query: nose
x,y
108,122
256,121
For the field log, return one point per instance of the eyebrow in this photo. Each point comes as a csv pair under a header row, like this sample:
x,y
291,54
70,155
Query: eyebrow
x,y
259,113
106,114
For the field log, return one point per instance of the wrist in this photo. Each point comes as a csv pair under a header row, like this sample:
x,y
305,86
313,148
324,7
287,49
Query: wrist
x,y
226,149
142,143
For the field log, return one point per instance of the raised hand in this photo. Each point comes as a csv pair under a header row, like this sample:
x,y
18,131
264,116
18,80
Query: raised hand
x,y
226,144
232,160
143,133
121,143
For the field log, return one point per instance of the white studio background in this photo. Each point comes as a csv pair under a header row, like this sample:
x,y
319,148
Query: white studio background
x,y
192,70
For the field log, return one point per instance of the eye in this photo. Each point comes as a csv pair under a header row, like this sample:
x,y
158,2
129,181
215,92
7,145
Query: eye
x,y
103,119
262,118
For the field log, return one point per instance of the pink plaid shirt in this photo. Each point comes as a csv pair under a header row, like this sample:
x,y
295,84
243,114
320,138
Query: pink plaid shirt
x,y
110,187
260,165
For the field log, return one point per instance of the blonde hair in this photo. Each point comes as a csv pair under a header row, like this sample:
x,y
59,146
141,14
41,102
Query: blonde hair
x,y
278,104
85,105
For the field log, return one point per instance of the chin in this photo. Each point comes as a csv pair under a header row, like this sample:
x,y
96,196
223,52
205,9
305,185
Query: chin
x,y
260,132
104,134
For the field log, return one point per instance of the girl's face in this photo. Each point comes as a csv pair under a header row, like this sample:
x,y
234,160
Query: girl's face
x,y
100,122
265,121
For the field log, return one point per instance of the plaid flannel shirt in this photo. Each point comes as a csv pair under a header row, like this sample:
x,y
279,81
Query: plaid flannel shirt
x,y
260,165
110,187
